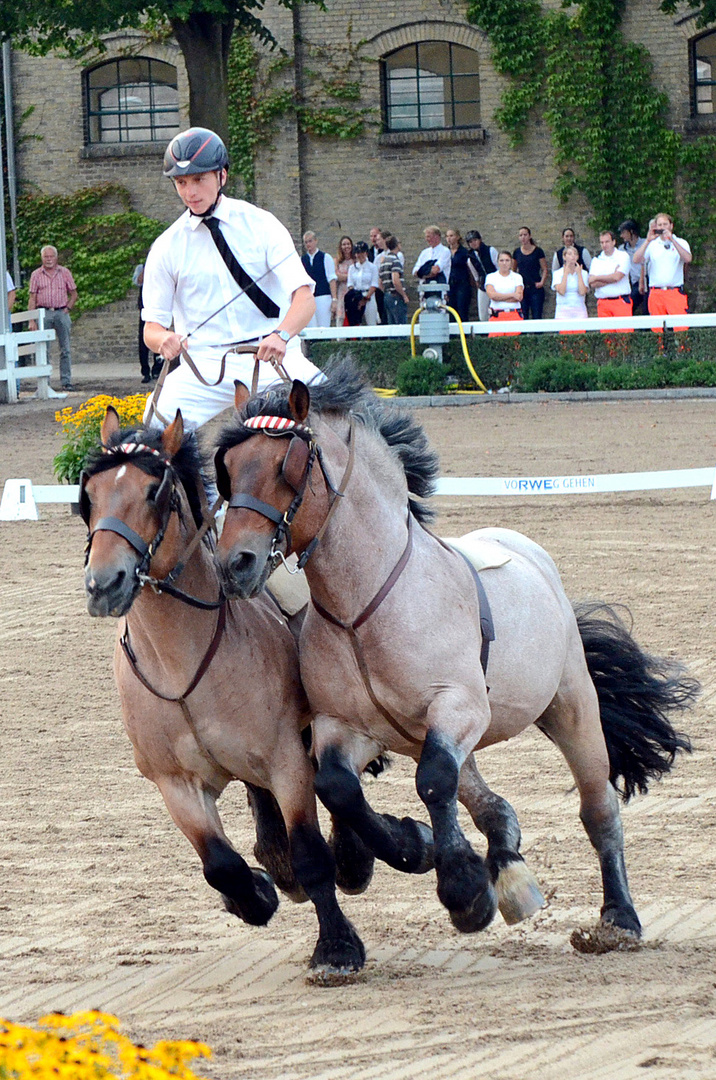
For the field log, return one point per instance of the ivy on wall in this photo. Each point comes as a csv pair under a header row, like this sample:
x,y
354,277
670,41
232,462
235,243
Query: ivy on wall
x,y
101,249
330,107
608,122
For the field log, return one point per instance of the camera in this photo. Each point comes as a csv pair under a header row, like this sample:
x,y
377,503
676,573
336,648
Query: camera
x,y
658,231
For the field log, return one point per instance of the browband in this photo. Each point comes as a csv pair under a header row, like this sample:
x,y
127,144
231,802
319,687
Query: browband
x,y
273,423
134,448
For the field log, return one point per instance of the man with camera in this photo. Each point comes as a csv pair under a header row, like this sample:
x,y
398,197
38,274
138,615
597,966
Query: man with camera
x,y
665,256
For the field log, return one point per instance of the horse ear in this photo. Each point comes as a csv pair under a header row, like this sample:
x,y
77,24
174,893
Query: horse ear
x,y
110,424
172,435
299,401
241,394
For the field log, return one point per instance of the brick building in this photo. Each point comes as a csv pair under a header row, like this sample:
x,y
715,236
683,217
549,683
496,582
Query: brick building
x,y
430,153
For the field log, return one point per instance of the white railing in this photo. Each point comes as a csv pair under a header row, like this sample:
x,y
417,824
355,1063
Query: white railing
x,y
27,343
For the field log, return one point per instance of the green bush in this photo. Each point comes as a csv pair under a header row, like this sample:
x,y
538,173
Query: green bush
x,y
420,377
550,362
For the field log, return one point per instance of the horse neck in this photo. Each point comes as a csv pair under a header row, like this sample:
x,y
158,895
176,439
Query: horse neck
x,y
367,533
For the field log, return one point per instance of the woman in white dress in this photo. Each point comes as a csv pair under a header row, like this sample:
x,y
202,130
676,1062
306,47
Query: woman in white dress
x,y
570,284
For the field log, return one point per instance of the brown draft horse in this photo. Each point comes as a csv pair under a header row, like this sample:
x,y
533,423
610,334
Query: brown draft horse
x,y
390,647
210,689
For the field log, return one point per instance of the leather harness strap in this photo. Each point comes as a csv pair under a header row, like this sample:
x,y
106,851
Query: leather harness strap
x,y
181,699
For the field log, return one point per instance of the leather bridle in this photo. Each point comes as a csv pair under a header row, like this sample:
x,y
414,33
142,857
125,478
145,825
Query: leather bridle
x,y
302,453
167,503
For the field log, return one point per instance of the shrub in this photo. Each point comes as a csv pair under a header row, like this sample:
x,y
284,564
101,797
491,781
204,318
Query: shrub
x,y
420,376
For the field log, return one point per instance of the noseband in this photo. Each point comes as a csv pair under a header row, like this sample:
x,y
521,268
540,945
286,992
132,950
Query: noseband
x,y
303,451
167,502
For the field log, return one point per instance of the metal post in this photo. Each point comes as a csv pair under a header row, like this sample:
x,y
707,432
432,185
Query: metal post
x,y
11,160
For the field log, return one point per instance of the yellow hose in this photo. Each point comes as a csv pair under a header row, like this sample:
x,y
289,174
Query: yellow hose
x,y
465,353
416,313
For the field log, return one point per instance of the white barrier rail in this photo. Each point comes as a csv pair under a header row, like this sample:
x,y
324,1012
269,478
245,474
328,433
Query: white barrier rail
x,y
27,343
21,497
529,326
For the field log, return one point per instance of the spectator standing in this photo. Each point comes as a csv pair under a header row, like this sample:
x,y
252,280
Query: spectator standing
x,y
53,288
505,289
376,253
460,279
345,257
436,255
568,241
482,261
609,277
392,282
153,371
531,264
362,284
570,283
664,257
320,266
629,232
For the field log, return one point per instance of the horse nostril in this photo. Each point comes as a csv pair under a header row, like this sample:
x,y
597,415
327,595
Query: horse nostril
x,y
242,564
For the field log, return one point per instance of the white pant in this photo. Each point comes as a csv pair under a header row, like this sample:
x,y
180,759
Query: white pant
x,y
371,312
323,311
483,305
199,403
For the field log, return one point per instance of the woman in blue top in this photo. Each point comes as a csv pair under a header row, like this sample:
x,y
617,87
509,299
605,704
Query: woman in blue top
x,y
531,264
460,280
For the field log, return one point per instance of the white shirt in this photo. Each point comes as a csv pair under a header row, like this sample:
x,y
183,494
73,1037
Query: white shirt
x,y
571,305
186,280
440,253
10,282
634,270
503,284
603,265
363,276
664,264
329,265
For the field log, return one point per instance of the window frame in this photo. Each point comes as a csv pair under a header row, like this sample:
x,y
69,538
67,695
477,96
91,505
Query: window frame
x,y
449,103
156,132
696,83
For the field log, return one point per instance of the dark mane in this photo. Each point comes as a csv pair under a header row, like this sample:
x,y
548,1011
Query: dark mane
x,y
187,465
345,390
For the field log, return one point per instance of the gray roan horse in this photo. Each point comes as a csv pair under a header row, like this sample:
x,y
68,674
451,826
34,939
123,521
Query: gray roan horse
x,y
210,690
391,645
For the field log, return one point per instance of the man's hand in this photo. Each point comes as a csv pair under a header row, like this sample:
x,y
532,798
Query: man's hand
x,y
272,348
171,346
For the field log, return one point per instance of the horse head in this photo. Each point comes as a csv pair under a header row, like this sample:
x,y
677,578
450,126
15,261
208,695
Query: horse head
x,y
277,498
127,495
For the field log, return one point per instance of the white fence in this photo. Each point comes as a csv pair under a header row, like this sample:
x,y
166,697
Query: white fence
x,y
27,343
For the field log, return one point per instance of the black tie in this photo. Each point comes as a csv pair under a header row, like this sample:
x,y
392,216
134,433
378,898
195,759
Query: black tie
x,y
263,302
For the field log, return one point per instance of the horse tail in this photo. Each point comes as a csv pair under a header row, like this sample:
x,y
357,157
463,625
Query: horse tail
x,y
636,693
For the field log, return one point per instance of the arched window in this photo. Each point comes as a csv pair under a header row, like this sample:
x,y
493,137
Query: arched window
x,y
430,85
131,100
703,66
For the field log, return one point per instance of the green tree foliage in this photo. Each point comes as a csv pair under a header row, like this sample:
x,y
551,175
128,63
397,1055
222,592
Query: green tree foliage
x,y
203,29
704,9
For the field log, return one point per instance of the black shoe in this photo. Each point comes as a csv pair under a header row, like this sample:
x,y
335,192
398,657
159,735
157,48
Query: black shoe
x,y
68,387
156,372
146,378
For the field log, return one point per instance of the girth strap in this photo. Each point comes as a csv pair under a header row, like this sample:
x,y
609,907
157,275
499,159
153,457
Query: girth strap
x,y
352,628
181,699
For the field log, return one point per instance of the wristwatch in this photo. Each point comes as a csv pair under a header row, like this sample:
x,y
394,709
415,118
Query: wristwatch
x,y
284,335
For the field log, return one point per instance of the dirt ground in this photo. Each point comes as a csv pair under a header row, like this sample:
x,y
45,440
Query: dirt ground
x,y
103,902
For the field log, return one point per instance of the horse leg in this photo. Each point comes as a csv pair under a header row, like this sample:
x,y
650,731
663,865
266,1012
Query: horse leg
x,y
572,722
247,893
272,847
339,950
518,894
464,884
354,861
403,844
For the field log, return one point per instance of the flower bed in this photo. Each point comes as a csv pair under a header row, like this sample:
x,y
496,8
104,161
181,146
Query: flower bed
x,y
81,430
90,1046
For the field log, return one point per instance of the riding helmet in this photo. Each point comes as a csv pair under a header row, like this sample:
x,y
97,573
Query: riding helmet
x,y
196,150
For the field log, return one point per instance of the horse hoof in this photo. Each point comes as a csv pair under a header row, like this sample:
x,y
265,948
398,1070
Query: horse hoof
x,y
336,961
625,918
604,938
255,910
478,915
354,861
518,894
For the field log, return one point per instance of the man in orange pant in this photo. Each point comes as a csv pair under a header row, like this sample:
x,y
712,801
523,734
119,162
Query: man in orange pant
x,y
665,256
609,277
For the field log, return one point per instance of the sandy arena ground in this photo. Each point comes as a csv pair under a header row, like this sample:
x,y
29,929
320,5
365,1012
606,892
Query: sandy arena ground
x,y
103,902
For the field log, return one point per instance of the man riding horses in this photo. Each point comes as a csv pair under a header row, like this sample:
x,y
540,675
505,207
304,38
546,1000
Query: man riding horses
x,y
225,273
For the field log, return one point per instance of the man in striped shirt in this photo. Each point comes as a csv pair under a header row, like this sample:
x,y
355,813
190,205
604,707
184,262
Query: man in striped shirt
x,y
53,288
